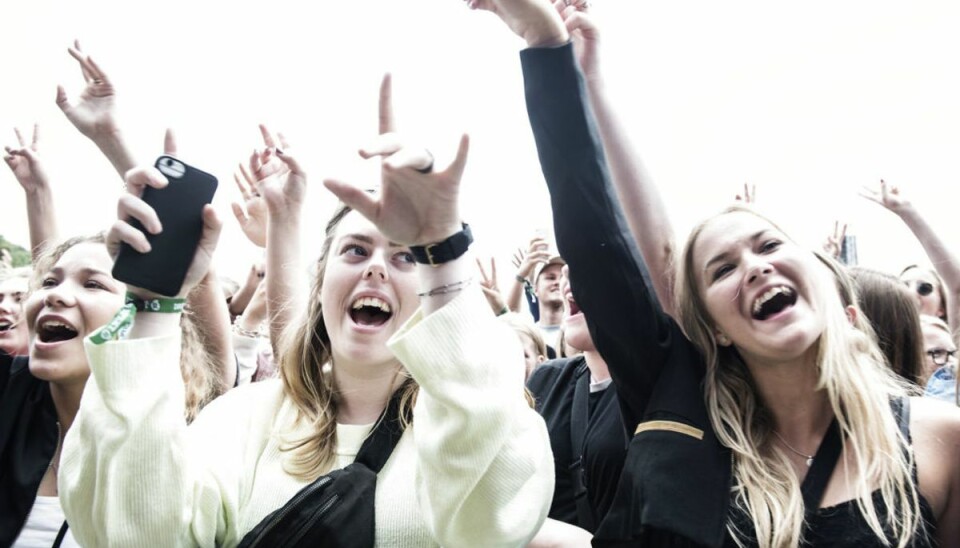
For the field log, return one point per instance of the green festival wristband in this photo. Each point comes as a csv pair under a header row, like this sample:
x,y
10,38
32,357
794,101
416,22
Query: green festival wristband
x,y
160,304
119,327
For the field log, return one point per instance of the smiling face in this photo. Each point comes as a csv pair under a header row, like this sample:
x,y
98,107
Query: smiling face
x,y
75,297
369,290
547,288
758,287
925,288
13,330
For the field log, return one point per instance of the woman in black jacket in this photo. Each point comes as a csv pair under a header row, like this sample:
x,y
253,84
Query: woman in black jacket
x,y
727,423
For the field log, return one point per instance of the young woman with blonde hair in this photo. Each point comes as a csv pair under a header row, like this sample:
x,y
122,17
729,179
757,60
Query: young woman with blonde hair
x,y
730,412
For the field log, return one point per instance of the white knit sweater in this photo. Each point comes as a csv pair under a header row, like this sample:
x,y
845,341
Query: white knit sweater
x,y
475,469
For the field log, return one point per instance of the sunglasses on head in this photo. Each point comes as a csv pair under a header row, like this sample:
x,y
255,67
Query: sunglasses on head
x,y
923,288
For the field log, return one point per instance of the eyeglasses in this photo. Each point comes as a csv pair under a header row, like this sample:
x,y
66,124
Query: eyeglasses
x,y
941,356
923,288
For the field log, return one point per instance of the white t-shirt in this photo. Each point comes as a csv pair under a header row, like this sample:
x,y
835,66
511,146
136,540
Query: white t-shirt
x,y
43,524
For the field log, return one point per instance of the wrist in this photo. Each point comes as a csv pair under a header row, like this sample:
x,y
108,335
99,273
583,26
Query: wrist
x,y
446,250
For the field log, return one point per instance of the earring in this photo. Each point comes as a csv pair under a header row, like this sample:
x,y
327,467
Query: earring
x,y
723,340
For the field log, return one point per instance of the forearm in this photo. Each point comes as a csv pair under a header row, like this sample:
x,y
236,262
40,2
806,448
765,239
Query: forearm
x,y
639,196
285,278
940,256
212,318
114,146
515,295
482,451
41,218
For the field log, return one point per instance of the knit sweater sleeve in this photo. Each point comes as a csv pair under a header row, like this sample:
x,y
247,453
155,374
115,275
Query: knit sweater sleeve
x,y
484,466
132,473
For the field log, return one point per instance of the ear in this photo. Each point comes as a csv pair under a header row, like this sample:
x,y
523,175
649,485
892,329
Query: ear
x,y
852,314
722,338
541,358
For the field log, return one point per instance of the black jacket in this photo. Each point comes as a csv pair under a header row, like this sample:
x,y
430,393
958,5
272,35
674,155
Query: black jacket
x,y
675,487
28,440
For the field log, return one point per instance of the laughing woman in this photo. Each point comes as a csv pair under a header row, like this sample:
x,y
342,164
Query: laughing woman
x,y
386,345
767,416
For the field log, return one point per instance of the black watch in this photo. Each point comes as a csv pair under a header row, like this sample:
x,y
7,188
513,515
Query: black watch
x,y
445,251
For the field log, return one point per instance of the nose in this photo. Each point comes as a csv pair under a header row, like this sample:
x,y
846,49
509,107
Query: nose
x,y
376,268
758,268
59,296
8,304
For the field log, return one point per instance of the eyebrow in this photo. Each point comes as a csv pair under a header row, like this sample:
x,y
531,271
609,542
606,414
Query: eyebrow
x,y
366,239
89,271
723,256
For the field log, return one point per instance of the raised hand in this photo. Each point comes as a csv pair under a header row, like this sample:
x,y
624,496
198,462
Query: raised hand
x,y
888,196
252,213
94,112
833,245
277,176
415,205
26,164
488,283
583,31
538,252
536,21
132,206
749,195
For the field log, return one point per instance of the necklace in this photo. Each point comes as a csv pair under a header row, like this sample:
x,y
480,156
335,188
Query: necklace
x,y
790,447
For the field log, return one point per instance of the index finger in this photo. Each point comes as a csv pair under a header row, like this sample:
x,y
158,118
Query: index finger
x,y
386,104
169,143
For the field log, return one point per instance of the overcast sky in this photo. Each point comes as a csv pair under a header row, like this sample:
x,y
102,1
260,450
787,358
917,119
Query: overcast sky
x,y
809,101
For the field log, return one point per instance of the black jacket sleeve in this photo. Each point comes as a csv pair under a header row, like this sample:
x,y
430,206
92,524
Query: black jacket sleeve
x,y
609,279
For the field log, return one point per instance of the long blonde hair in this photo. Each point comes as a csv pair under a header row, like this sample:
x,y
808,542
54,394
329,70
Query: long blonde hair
x,y
304,351
859,388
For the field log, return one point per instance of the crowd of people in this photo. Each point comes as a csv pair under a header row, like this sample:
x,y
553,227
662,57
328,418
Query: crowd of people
x,y
739,390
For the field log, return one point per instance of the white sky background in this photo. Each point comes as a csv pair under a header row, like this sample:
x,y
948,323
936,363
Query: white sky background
x,y
807,101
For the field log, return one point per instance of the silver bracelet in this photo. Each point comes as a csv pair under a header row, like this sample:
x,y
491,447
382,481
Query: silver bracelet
x,y
245,332
445,289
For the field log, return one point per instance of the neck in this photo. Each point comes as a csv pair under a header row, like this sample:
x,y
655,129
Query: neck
x,y
801,413
364,391
551,314
596,365
66,400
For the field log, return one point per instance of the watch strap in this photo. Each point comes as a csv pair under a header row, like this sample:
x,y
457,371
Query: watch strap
x,y
445,251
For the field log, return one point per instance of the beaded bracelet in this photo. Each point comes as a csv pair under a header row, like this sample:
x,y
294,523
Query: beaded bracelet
x,y
445,289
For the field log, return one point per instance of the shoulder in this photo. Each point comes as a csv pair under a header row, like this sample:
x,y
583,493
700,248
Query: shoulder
x,y
553,372
243,404
935,430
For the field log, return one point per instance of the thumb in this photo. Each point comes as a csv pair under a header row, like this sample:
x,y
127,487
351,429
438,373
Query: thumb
x,y
169,143
239,213
62,101
211,230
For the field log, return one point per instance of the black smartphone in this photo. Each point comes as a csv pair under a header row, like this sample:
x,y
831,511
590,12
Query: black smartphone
x,y
179,206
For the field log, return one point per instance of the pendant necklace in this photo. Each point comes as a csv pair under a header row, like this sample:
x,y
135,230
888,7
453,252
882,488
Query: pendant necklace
x,y
790,447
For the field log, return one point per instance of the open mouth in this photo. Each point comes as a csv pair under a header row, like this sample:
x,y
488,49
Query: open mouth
x,y
6,325
572,306
773,301
52,331
370,311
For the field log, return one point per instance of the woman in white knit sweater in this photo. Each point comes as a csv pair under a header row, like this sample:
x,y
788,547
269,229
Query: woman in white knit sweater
x,y
473,467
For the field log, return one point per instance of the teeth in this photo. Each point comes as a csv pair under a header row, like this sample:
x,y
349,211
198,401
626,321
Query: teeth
x,y
770,293
53,324
371,302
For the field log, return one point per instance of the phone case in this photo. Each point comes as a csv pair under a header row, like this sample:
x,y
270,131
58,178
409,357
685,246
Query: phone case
x,y
179,207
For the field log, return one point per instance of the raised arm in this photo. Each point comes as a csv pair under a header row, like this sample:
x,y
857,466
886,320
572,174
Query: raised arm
x,y
537,253
941,257
28,168
94,112
611,283
130,475
639,196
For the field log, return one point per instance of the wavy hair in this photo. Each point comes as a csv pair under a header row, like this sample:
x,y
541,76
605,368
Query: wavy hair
x,y
859,388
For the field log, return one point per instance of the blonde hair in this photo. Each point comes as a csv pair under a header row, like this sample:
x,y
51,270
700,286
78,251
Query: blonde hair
x,y
304,351
859,388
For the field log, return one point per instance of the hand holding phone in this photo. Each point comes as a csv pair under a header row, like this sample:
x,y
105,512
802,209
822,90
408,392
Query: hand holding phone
x,y
179,208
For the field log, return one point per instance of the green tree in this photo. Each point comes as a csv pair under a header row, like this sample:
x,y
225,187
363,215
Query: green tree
x,y
21,255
